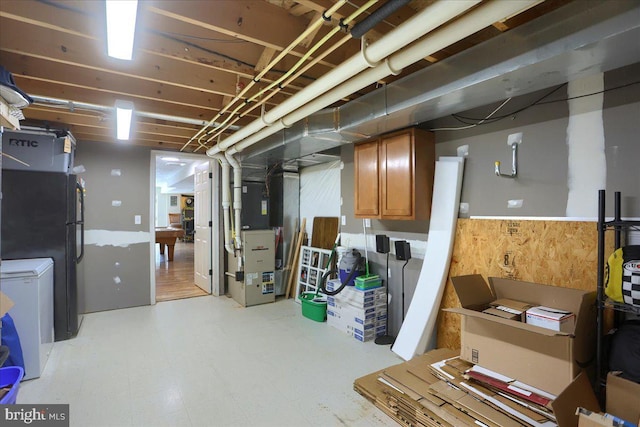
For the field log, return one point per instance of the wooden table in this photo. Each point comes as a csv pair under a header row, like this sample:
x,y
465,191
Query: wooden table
x,y
168,236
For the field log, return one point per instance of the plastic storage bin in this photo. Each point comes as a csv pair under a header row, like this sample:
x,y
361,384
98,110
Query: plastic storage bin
x,y
10,376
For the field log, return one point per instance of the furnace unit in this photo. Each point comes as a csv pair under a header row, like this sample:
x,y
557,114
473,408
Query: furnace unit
x,y
257,285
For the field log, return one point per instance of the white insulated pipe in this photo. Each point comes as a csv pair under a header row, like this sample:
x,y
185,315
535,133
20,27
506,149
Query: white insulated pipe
x,y
226,201
417,26
470,23
237,197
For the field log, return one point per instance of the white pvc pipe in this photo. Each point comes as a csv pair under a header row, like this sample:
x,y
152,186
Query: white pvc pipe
x,y
226,201
417,26
237,197
43,100
431,43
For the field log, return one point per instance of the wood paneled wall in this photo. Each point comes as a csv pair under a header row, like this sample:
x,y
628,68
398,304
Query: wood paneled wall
x,y
559,253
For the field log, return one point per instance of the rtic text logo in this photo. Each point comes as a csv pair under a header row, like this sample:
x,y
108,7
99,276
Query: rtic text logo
x,y
632,266
23,142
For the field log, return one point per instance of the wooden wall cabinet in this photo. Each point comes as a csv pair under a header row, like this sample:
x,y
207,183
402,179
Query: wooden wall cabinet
x,y
394,175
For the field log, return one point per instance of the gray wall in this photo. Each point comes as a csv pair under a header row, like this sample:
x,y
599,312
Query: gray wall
x,y
116,263
543,169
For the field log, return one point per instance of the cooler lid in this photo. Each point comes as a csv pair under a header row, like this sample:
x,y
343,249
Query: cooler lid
x,y
33,267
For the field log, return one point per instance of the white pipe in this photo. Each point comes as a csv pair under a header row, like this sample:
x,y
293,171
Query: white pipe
x,y
237,196
71,105
433,42
417,26
226,201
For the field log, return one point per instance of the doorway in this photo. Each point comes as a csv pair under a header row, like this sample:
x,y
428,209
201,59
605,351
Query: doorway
x,y
182,203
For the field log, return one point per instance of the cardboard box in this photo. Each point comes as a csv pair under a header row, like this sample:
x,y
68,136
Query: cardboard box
x,y
5,304
551,318
587,418
508,309
623,397
546,359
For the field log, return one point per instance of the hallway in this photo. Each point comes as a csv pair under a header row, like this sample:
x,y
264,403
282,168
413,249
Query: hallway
x,y
174,279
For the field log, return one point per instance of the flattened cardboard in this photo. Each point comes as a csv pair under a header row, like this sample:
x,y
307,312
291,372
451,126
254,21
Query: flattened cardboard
x,y
5,304
546,359
503,314
516,305
623,397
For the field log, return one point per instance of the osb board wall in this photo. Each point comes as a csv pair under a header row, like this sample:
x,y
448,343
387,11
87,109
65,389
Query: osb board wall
x,y
559,253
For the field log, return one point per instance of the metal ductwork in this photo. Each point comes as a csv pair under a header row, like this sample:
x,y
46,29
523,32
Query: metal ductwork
x,y
577,40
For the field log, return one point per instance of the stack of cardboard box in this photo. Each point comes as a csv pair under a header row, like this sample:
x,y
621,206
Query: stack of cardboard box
x,y
555,360
360,313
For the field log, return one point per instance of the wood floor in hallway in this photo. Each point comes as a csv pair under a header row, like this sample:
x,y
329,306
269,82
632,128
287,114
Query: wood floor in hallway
x,y
174,279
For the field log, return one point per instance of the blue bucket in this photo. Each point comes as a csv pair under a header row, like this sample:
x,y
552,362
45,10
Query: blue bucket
x,y
10,376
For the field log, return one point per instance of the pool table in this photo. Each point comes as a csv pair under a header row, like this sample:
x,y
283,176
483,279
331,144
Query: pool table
x,y
168,236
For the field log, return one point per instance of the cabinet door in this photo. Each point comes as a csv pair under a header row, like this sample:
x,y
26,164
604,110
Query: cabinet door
x,y
397,160
366,172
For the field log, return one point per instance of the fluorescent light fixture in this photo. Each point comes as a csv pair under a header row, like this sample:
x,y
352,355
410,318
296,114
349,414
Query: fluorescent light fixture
x,y
124,113
121,27
170,159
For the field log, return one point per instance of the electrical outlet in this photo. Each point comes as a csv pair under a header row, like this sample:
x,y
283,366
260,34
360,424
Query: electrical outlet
x,y
367,222
344,220
137,219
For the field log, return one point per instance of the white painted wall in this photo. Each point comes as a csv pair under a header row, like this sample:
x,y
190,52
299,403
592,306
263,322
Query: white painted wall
x,y
320,192
587,164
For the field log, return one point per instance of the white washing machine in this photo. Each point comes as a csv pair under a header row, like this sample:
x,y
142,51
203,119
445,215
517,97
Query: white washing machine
x,y
29,284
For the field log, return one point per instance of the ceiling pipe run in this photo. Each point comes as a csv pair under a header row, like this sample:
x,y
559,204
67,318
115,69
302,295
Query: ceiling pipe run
x,y
72,105
376,17
419,25
470,23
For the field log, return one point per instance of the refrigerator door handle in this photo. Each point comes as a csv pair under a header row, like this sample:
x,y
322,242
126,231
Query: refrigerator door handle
x,y
81,222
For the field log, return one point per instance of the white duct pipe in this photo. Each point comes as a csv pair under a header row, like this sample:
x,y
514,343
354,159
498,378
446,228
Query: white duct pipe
x,y
237,197
417,26
470,23
226,201
71,105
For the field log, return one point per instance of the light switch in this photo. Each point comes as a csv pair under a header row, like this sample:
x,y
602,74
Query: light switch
x,y
138,219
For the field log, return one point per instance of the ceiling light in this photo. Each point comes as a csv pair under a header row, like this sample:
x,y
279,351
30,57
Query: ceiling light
x,y
121,27
124,112
170,159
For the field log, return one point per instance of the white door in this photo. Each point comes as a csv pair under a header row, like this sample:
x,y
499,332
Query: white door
x,y
202,227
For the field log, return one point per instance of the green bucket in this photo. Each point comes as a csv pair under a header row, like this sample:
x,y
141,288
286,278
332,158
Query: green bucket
x,y
314,306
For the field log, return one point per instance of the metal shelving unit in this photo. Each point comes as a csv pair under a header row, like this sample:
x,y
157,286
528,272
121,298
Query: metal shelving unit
x,y
617,225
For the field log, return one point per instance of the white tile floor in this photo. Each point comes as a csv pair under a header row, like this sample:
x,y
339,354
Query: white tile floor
x,y
209,362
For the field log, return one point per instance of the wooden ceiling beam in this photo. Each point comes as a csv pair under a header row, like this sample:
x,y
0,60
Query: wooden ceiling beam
x,y
72,50
102,81
257,22
254,21
58,18
89,137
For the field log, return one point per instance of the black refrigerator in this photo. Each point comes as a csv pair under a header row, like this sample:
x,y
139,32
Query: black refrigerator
x,y
43,217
